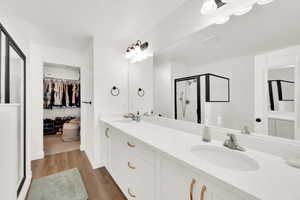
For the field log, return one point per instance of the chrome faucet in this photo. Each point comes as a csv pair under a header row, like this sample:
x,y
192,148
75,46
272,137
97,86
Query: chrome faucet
x,y
245,130
232,143
135,117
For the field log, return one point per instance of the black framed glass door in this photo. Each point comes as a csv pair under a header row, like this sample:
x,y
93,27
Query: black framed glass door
x,y
13,91
191,93
187,99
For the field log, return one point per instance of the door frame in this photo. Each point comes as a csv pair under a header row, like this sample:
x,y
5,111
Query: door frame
x,y
82,139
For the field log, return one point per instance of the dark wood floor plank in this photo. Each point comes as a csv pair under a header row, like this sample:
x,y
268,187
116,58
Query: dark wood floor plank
x,y
99,184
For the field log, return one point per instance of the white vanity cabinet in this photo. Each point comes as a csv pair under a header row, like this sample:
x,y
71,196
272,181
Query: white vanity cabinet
x,y
144,173
131,164
178,182
105,144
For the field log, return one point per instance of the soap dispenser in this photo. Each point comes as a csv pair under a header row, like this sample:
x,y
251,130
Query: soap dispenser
x,y
206,137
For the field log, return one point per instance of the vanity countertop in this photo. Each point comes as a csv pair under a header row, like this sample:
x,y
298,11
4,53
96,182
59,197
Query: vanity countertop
x,y
273,180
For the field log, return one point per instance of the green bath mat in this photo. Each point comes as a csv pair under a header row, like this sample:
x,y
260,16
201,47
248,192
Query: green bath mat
x,y
66,185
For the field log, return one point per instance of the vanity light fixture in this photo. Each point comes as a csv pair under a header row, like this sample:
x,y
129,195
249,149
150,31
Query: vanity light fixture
x,y
209,6
264,2
137,52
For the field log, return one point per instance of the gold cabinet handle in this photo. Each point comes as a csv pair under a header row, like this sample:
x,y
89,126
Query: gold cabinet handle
x,y
130,166
130,194
130,145
192,189
106,132
203,190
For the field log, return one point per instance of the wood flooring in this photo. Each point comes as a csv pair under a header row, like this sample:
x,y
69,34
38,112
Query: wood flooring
x,y
98,183
54,144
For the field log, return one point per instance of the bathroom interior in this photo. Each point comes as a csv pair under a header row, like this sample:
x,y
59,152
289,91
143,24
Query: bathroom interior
x,y
196,99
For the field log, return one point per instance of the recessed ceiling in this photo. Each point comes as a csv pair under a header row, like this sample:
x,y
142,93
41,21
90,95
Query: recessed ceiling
x,y
265,28
69,23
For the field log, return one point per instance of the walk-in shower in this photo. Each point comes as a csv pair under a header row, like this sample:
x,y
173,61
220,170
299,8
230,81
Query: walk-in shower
x,y
194,93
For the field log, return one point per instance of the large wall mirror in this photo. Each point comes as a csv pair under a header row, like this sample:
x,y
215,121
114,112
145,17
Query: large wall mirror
x,y
253,67
12,91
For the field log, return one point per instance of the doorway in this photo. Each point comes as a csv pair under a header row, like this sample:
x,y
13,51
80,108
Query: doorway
x,y
61,103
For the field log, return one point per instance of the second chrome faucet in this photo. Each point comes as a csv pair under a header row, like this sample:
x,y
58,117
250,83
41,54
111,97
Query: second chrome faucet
x,y
232,143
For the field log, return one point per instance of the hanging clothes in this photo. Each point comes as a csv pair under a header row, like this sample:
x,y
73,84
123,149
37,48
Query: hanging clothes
x,y
61,93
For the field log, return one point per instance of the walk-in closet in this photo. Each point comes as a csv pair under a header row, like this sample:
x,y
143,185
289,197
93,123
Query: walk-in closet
x,y
61,108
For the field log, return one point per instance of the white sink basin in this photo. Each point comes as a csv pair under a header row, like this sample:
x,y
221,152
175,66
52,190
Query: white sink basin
x,y
226,158
124,121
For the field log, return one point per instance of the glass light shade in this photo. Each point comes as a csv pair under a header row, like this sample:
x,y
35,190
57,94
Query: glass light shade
x,y
127,55
223,20
137,50
208,7
243,11
264,2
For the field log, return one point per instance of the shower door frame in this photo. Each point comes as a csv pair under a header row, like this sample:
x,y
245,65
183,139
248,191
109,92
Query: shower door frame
x,y
198,95
9,42
207,92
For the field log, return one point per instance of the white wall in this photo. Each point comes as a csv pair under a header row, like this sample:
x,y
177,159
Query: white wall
x,y
162,87
61,71
40,54
141,76
110,69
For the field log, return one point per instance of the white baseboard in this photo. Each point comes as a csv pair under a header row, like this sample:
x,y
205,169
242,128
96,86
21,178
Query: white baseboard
x,y
23,193
82,148
97,165
38,156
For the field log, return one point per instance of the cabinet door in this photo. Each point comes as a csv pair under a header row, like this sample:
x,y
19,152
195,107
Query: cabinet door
x,y
176,182
105,140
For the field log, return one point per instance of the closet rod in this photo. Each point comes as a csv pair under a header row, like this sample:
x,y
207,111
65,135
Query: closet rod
x,y
63,79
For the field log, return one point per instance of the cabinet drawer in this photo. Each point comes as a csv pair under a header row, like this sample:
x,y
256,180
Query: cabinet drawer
x,y
141,180
123,145
139,149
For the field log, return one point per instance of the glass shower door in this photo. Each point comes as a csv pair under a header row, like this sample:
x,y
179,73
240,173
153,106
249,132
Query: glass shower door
x,y
187,100
12,93
15,94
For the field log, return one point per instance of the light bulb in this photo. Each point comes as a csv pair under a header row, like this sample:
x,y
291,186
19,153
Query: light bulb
x,y
223,20
264,2
137,50
243,11
208,7
128,54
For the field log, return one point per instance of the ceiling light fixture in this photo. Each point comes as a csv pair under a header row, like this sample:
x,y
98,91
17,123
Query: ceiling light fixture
x,y
264,2
137,52
209,6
